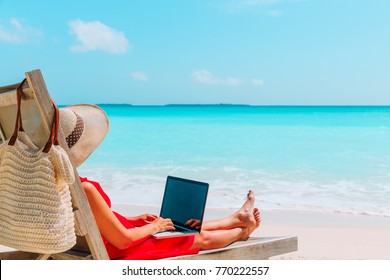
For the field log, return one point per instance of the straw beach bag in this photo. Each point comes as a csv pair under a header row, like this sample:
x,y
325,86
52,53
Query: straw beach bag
x,y
36,212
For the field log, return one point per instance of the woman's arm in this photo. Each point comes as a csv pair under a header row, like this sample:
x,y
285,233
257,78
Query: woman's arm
x,y
110,227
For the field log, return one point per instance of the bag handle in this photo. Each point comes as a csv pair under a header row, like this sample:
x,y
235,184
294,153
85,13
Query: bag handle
x,y
53,138
18,122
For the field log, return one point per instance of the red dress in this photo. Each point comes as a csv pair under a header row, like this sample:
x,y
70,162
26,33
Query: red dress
x,y
151,248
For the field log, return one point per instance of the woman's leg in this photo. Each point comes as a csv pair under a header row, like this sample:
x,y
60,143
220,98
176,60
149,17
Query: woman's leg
x,y
240,218
239,226
214,239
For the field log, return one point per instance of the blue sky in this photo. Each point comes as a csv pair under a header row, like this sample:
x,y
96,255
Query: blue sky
x,y
260,52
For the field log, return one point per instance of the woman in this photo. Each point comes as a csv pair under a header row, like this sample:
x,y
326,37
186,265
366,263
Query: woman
x,y
85,126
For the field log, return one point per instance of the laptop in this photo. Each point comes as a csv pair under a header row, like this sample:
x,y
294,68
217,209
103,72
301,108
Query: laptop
x,y
184,203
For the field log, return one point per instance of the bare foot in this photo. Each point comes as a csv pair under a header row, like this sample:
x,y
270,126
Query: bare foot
x,y
245,213
251,227
248,216
256,214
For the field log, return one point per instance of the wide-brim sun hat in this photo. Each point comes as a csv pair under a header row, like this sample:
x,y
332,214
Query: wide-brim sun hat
x,y
84,127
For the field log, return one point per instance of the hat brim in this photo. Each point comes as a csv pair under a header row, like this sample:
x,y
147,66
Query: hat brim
x,y
96,126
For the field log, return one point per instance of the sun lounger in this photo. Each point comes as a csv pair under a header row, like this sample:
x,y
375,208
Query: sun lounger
x,y
255,248
38,111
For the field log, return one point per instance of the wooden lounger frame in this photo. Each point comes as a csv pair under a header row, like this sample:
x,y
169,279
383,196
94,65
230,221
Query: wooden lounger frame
x,y
89,242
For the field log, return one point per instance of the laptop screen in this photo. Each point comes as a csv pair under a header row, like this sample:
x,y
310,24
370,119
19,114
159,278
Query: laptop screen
x,y
184,201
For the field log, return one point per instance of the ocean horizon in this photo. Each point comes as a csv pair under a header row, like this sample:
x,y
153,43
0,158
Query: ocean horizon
x,y
319,158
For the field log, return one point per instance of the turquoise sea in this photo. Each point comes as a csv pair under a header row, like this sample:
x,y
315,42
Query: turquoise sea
x,y
304,158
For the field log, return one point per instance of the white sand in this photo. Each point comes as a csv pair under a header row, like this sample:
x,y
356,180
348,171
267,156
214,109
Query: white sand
x,y
331,235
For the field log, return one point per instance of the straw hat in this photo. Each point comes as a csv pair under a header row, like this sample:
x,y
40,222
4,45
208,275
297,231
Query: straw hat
x,y
84,127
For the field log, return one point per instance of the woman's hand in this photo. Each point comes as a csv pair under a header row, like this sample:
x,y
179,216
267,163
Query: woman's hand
x,y
142,220
162,224
139,234
193,223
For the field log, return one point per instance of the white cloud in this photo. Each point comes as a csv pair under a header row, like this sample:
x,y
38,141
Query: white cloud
x,y
139,76
205,77
95,35
18,33
257,82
